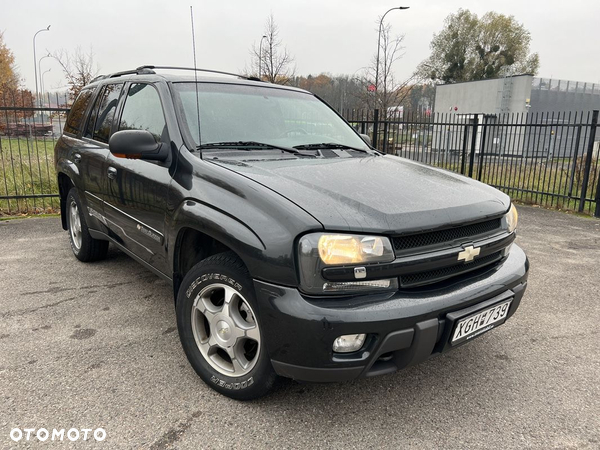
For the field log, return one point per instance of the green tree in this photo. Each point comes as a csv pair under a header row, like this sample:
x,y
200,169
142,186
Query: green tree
x,y
471,48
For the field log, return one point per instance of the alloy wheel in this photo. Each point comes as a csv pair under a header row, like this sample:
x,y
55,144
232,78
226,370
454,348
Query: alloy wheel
x,y
225,330
75,224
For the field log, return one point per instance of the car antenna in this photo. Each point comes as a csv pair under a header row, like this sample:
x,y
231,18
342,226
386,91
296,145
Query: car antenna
x,y
195,74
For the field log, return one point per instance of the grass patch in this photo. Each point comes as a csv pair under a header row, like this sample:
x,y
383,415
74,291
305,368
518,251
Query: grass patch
x,y
27,168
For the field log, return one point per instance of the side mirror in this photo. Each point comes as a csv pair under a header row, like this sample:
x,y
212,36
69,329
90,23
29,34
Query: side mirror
x,y
137,144
366,138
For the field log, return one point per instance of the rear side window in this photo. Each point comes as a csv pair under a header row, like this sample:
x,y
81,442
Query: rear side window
x,y
143,111
103,113
75,119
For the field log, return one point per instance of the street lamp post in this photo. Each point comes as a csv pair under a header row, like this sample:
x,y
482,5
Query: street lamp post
x,y
379,45
42,80
260,57
35,62
39,69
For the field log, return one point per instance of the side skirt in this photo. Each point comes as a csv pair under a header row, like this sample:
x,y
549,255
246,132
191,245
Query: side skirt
x,y
100,235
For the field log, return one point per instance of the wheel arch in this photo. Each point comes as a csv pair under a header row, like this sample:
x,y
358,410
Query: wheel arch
x,y
64,186
203,231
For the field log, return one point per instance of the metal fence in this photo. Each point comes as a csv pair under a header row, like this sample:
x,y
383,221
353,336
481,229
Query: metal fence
x,y
28,134
549,159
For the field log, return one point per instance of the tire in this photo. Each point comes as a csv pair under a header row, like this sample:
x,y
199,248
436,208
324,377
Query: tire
x,y
85,247
219,328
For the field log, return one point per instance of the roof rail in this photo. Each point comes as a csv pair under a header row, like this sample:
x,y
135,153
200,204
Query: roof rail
x,y
150,67
99,77
139,71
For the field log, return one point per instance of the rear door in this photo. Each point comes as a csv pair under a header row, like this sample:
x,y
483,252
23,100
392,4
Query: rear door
x,y
137,190
94,150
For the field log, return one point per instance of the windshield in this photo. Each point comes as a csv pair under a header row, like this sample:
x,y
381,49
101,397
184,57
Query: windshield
x,y
230,113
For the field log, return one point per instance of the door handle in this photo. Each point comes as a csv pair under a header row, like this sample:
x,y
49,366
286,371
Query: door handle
x,y
112,173
77,158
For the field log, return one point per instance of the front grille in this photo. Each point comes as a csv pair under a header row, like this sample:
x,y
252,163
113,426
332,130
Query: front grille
x,y
432,276
448,236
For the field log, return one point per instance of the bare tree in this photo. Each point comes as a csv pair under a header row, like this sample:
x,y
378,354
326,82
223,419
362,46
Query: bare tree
x,y
272,61
390,91
78,67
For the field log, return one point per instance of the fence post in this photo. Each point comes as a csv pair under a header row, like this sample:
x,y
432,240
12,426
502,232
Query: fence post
x,y
363,123
473,145
375,127
482,148
575,155
597,199
385,136
464,150
588,161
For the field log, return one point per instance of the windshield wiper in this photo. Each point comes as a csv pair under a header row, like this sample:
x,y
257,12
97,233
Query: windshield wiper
x,y
330,145
252,145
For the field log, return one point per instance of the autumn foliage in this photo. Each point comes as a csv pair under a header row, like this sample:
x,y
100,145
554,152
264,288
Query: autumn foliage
x,y
11,94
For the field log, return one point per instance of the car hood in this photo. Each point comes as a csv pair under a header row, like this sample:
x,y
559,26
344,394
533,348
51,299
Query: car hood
x,y
382,194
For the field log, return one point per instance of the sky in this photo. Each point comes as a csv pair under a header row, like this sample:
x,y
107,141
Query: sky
x,y
333,36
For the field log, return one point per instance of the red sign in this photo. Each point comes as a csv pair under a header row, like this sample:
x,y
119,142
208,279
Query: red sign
x,y
371,88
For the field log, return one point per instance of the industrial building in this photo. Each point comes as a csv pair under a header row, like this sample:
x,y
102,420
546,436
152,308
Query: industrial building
x,y
517,114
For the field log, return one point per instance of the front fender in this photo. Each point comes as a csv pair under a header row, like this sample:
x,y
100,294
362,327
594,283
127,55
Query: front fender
x,y
236,235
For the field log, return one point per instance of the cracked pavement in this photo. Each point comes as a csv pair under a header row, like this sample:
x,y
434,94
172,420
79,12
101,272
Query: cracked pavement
x,y
96,345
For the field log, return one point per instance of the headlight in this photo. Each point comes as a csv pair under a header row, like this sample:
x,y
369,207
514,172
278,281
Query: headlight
x,y
512,217
320,250
349,249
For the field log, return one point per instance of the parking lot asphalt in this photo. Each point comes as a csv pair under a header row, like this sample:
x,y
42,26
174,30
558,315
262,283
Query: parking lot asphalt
x,y
96,345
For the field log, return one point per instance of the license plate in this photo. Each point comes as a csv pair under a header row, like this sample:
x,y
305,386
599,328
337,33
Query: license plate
x,y
480,322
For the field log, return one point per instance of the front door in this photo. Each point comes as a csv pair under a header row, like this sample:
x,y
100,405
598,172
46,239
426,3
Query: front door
x,y
136,194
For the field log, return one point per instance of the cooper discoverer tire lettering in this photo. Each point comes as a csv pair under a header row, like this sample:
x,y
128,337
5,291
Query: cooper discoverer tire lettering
x,y
219,328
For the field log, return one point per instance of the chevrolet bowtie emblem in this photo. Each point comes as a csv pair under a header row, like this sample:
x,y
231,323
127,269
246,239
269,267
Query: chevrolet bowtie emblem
x,y
469,253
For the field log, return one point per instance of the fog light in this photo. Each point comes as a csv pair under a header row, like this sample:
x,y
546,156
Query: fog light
x,y
349,343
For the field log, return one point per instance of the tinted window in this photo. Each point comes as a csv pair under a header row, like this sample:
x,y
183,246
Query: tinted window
x,y
89,130
104,113
75,118
143,111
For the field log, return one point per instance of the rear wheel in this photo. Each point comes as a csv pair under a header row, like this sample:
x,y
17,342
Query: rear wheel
x,y
84,246
220,330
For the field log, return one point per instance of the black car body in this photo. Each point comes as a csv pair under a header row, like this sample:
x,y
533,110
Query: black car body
x,y
446,241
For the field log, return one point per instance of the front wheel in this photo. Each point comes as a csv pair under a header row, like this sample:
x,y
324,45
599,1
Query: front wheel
x,y
220,330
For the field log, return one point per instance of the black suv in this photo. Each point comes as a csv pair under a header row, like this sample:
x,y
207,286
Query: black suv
x,y
293,247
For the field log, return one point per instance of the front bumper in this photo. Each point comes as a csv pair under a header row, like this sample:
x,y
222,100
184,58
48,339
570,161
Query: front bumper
x,y
403,327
